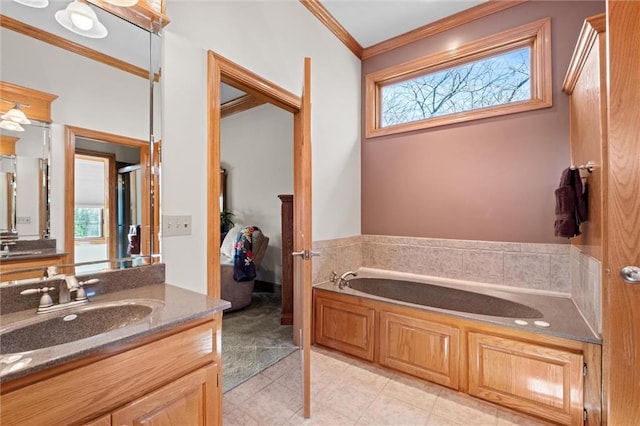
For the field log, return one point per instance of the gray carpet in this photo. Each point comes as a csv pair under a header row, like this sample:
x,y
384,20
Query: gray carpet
x,y
253,339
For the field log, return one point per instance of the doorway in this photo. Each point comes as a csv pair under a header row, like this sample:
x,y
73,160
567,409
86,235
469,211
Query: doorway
x,y
221,70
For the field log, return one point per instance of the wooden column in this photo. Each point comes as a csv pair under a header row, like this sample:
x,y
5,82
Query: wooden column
x,y
286,212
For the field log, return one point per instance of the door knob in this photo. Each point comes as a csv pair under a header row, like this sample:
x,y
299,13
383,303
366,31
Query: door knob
x,y
631,274
305,254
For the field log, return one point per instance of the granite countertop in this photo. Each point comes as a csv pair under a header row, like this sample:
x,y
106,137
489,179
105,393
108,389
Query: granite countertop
x,y
20,255
171,306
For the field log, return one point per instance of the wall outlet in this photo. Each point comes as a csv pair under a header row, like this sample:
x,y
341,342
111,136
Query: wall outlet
x,y
176,225
23,220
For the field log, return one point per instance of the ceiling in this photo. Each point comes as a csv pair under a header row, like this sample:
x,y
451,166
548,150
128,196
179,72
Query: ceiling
x,y
373,21
368,21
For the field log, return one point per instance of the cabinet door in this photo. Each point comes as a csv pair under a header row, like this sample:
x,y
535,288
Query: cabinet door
x,y
531,378
190,400
345,327
421,348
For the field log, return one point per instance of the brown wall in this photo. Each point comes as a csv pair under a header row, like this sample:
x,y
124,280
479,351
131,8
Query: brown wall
x,y
491,179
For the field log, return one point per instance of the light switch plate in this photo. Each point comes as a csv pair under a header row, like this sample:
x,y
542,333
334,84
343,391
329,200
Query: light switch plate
x,y
176,225
23,220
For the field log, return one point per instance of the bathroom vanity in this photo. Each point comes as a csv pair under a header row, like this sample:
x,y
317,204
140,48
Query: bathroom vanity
x,y
159,367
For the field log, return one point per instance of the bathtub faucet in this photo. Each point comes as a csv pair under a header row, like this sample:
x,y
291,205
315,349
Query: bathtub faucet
x,y
343,282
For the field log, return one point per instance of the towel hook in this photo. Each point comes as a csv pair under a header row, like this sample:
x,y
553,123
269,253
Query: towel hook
x,y
588,167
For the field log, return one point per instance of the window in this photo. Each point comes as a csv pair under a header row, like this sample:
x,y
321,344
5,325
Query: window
x,y
88,222
502,74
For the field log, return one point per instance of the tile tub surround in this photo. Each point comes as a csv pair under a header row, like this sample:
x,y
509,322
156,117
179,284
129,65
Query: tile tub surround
x,y
524,265
586,287
531,266
122,279
340,255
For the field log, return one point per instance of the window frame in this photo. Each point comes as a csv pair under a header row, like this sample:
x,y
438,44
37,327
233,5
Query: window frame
x,y
108,161
536,35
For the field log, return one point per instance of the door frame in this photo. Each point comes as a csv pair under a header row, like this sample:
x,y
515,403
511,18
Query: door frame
x,y
222,70
71,133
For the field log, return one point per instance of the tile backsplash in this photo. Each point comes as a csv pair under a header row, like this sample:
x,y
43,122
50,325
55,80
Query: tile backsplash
x,y
586,287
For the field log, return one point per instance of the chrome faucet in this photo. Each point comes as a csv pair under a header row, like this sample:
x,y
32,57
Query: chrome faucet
x,y
68,284
341,281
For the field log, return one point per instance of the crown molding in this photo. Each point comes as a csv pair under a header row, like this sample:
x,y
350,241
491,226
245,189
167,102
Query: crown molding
x,y
324,16
71,46
444,24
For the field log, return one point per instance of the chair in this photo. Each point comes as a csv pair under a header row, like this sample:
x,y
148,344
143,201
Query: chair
x,y
239,292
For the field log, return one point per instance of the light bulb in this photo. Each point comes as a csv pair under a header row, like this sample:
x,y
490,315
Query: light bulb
x,y
81,21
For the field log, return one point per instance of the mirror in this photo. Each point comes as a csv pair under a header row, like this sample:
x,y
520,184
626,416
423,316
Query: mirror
x,y
107,86
24,181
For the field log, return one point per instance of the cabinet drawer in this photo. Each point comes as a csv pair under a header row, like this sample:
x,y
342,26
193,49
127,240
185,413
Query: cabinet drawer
x,y
345,327
421,348
535,379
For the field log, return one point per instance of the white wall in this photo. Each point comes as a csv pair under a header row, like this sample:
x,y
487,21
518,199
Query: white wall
x,y
270,38
257,151
90,95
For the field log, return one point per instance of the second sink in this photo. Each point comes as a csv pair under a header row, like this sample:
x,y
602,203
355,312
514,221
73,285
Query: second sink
x,y
70,326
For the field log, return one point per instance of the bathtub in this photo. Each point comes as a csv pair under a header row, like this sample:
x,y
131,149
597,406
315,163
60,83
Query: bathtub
x,y
531,352
544,313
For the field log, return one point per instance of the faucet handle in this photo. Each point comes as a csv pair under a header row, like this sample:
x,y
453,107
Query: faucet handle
x,y
334,277
81,294
45,300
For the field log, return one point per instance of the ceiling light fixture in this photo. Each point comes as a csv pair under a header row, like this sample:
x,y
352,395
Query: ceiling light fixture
x,y
11,125
122,3
16,115
34,3
80,18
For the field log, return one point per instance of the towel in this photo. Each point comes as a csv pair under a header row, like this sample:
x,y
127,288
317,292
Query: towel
x,y
134,240
571,207
243,267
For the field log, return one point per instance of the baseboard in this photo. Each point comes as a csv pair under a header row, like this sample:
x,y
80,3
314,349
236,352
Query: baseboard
x,y
266,287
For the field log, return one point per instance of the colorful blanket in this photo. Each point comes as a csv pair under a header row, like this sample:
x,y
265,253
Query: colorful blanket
x,y
243,267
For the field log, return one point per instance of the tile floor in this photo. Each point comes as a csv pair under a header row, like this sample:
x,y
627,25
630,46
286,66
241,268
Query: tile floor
x,y
346,391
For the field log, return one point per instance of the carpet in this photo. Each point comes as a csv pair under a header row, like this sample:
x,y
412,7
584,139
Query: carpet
x,y
253,339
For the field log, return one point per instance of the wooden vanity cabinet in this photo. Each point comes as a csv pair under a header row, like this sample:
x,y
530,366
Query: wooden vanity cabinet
x,y
173,377
182,402
22,269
